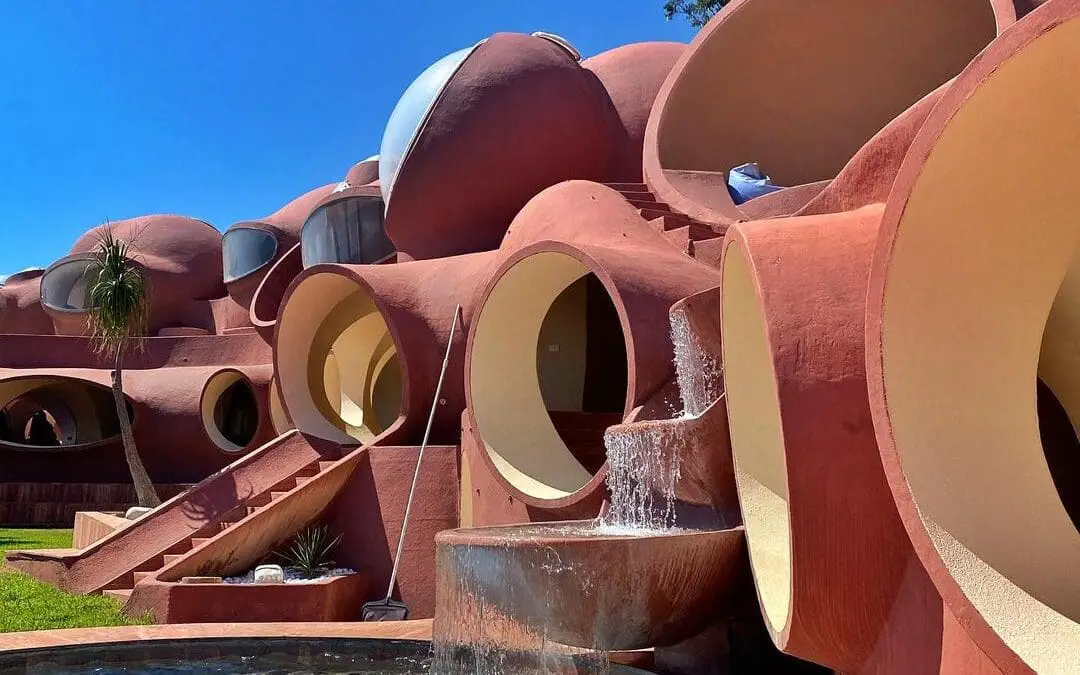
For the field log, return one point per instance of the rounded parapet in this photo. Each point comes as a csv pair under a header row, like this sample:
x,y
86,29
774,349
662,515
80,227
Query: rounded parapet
x,y
972,297
481,132
799,109
180,258
230,404
267,299
20,305
632,76
359,348
571,337
801,435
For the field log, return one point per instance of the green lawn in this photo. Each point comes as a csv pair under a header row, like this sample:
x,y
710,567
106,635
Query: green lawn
x,y
26,604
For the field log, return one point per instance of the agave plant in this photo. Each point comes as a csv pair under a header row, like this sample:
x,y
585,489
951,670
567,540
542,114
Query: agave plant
x,y
117,297
310,551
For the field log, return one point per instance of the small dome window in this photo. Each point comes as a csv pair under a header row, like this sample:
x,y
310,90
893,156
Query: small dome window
x,y
246,250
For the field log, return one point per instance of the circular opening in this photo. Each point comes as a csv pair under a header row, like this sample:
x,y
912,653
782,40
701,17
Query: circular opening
x,y
230,411
971,312
802,113
246,250
548,374
65,284
348,385
348,231
757,440
55,412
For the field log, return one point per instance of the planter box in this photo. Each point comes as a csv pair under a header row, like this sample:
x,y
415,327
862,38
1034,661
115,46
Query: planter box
x,y
330,599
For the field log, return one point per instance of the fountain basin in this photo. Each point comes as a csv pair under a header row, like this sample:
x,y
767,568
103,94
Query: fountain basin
x,y
578,585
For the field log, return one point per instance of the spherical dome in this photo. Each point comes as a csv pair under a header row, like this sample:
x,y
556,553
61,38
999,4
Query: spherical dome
x,y
181,257
363,173
632,75
482,131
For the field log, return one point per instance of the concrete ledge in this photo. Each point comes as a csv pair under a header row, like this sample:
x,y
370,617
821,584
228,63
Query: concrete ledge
x,y
92,526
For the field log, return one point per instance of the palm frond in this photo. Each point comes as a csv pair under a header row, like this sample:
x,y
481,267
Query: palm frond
x,y
117,294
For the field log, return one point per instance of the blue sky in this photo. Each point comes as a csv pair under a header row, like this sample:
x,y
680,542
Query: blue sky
x,y
225,110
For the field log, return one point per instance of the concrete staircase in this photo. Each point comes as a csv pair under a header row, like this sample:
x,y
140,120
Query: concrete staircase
x,y
123,586
681,229
183,523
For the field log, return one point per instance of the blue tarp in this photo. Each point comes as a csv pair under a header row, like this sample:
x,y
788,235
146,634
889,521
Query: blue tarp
x,y
747,182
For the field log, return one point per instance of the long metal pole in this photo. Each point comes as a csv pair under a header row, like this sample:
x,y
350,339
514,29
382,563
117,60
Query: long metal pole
x,y
420,457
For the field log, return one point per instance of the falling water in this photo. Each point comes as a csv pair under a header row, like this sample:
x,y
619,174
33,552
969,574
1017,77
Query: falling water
x,y
643,460
698,371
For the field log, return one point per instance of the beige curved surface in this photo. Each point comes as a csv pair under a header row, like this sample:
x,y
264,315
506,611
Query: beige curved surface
x,y
339,372
784,83
215,387
528,357
981,266
278,419
757,441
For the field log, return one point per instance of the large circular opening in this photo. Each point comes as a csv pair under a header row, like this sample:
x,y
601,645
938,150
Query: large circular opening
x,y
47,412
757,439
801,110
978,299
230,411
345,382
548,374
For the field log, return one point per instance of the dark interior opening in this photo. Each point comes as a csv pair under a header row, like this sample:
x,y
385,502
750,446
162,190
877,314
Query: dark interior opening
x,y
236,413
582,368
45,417
1061,447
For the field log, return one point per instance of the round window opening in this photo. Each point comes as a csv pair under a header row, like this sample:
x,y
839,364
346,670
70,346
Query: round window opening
x,y
230,411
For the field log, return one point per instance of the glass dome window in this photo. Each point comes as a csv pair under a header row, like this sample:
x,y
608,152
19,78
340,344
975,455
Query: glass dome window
x,y
411,112
346,231
65,285
245,250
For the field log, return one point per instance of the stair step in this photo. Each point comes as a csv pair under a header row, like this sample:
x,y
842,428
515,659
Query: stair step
x,y
659,207
323,466
121,594
196,542
649,213
646,197
151,565
172,557
300,480
274,496
139,576
628,187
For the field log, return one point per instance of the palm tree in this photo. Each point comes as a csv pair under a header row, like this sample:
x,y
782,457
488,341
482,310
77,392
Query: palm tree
x,y
117,298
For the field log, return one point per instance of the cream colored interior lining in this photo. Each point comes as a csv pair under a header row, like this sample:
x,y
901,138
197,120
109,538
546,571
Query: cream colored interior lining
x,y
982,254
509,352
757,441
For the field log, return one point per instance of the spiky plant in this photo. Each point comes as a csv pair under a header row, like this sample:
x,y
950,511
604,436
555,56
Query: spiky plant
x,y
118,302
310,551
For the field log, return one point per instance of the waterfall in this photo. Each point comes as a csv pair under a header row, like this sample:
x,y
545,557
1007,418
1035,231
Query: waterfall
x,y
697,370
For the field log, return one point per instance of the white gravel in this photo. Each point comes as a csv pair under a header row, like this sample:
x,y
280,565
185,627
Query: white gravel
x,y
292,576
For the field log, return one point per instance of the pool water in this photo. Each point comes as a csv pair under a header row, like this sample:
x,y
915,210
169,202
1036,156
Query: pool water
x,y
290,656
220,656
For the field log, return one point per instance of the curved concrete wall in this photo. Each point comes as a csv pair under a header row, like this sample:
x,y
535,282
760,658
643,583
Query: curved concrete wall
x,y
799,107
970,300
387,326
